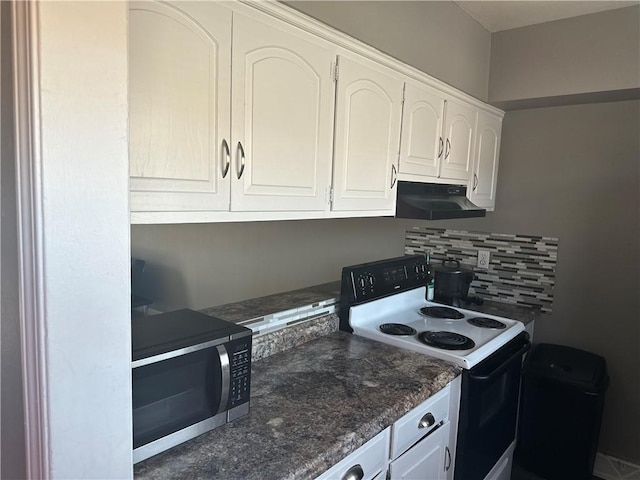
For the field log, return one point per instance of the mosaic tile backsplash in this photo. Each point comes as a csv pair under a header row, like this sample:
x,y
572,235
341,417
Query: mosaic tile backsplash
x,y
521,268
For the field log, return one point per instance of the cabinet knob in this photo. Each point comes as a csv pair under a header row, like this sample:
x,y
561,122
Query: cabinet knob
x,y
354,473
427,421
447,150
475,182
394,175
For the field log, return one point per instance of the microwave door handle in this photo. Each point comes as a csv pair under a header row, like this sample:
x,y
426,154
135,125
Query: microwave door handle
x,y
503,366
226,377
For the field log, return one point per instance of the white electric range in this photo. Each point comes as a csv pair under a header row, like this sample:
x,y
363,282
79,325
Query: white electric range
x,y
385,301
407,320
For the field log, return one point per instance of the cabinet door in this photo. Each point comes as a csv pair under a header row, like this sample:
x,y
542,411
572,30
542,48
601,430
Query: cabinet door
x,y
485,167
179,101
282,117
367,135
422,145
428,459
460,124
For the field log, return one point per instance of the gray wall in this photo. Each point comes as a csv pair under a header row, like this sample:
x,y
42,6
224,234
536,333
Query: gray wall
x,y
227,262
12,449
574,173
436,37
591,53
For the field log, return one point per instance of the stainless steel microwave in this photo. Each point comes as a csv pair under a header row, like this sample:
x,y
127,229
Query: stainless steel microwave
x,y
190,374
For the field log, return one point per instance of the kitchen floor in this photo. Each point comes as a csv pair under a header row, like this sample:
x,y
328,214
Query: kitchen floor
x,y
519,473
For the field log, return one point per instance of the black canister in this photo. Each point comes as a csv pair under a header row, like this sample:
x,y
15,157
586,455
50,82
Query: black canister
x,y
452,281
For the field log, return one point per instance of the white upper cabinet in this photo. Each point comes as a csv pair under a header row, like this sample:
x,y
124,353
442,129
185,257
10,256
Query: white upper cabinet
x,y
482,191
459,129
251,111
438,135
195,146
282,117
179,84
422,144
367,135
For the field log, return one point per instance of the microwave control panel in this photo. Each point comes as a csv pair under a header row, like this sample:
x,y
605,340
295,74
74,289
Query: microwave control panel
x,y
240,365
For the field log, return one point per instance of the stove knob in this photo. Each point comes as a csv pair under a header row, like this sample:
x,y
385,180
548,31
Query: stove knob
x,y
371,280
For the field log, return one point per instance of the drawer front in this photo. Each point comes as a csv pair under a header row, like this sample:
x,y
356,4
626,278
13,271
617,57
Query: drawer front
x,y
419,422
370,459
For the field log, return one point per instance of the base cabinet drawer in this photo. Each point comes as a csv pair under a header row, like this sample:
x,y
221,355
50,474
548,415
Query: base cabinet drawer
x,y
363,464
420,421
429,459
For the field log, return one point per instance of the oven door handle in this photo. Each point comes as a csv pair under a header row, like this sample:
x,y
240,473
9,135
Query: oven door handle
x,y
503,366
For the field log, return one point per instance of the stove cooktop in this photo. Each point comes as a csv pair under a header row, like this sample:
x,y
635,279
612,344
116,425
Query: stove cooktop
x,y
485,335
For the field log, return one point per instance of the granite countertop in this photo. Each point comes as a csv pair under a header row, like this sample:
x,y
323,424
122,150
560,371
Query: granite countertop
x,y
255,309
311,406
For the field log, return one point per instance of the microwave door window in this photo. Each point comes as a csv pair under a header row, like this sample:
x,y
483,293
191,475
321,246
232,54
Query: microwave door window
x,y
174,394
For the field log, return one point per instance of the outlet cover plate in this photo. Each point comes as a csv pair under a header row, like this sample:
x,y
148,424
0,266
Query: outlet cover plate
x,y
483,259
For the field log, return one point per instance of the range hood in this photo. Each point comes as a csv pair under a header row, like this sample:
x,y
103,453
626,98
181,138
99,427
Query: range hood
x,y
434,201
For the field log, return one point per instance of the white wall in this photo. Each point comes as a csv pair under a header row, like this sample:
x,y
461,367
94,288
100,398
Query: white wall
x,y
78,322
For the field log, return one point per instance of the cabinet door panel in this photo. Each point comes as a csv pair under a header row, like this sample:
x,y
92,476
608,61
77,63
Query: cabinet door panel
x,y
460,124
426,460
485,170
179,81
422,144
283,116
368,109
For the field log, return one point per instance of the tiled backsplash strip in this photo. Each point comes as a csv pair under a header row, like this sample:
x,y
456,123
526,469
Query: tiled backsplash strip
x,y
521,269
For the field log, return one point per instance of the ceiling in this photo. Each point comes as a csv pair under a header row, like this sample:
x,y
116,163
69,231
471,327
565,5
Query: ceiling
x,y
504,15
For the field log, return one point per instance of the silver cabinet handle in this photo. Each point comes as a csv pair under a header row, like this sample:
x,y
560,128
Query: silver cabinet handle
x,y
240,150
447,150
354,473
447,464
475,182
227,155
226,377
427,421
394,175
440,148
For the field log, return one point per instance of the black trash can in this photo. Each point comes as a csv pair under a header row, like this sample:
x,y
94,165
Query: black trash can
x,y
561,405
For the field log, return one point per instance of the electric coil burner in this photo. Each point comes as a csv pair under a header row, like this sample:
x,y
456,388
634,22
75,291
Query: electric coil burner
x,y
397,329
447,340
442,312
484,322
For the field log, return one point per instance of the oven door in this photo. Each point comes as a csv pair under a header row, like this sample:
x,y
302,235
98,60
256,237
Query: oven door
x,y
488,410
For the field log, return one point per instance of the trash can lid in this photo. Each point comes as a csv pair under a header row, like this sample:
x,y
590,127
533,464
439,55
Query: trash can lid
x,y
568,366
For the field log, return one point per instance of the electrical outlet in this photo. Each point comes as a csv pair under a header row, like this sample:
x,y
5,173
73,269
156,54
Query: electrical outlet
x,y
483,259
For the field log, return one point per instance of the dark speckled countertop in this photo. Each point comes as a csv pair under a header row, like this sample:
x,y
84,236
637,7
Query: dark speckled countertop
x,y
311,406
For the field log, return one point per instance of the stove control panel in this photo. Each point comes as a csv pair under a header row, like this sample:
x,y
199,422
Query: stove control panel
x,y
379,279
369,281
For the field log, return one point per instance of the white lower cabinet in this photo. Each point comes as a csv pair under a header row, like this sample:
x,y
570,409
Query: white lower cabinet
x,y
418,446
429,459
366,463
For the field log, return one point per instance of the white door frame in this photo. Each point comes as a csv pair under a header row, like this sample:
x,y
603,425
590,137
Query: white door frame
x,y
70,73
